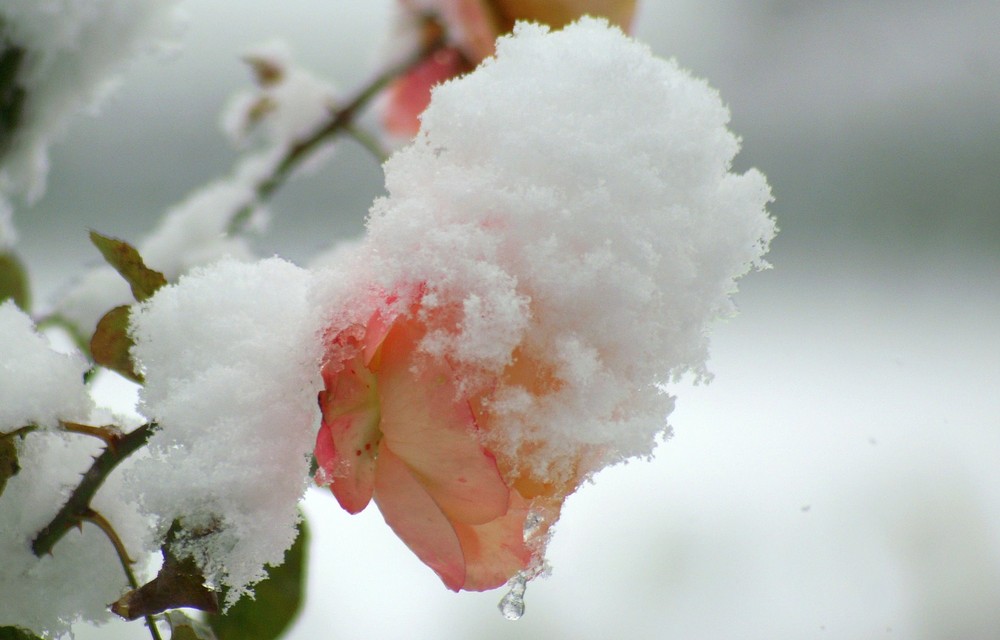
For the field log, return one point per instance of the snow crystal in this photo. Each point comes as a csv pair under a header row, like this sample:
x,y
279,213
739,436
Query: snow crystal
x,y
573,199
70,51
231,364
40,386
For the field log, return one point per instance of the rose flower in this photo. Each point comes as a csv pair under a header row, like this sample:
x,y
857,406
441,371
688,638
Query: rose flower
x,y
553,247
397,428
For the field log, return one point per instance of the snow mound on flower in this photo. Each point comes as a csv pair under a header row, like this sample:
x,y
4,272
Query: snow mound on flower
x,y
232,372
572,198
68,53
39,385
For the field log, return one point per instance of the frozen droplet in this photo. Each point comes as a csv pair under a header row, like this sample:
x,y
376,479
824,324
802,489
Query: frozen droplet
x,y
512,604
532,523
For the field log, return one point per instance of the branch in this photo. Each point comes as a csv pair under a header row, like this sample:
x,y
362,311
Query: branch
x,y
339,121
20,431
102,523
369,141
108,434
123,557
77,508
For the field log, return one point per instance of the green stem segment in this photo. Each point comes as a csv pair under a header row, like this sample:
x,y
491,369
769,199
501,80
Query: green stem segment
x,y
123,557
77,508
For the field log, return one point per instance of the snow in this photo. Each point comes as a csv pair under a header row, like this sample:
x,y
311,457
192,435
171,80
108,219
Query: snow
x,y
591,235
269,120
288,104
231,363
83,575
598,233
40,386
73,50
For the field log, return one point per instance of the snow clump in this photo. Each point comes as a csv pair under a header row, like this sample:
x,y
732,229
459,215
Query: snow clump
x,y
571,203
232,372
40,386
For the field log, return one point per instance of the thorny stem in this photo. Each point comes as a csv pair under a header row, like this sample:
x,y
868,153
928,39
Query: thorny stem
x,y
339,121
77,508
102,523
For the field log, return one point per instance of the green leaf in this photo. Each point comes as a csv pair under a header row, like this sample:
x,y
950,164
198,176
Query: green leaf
x,y
17,633
184,628
13,281
111,344
8,465
127,261
277,600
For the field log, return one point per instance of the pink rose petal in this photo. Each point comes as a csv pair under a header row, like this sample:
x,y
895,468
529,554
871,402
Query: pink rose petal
x,y
432,430
418,521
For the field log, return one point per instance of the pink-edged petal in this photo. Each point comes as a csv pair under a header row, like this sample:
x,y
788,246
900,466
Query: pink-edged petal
x,y
375,332
408,96
433,431
495,551
418,521
348,439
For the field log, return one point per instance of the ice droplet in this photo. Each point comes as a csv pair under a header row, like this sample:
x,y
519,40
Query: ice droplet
x,y
512,604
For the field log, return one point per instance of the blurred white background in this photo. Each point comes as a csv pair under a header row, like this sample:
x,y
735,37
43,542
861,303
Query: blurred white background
x,y
838,479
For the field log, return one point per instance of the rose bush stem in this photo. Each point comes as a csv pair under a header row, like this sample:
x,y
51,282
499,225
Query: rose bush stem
x,y
340,121
102,523
77,507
